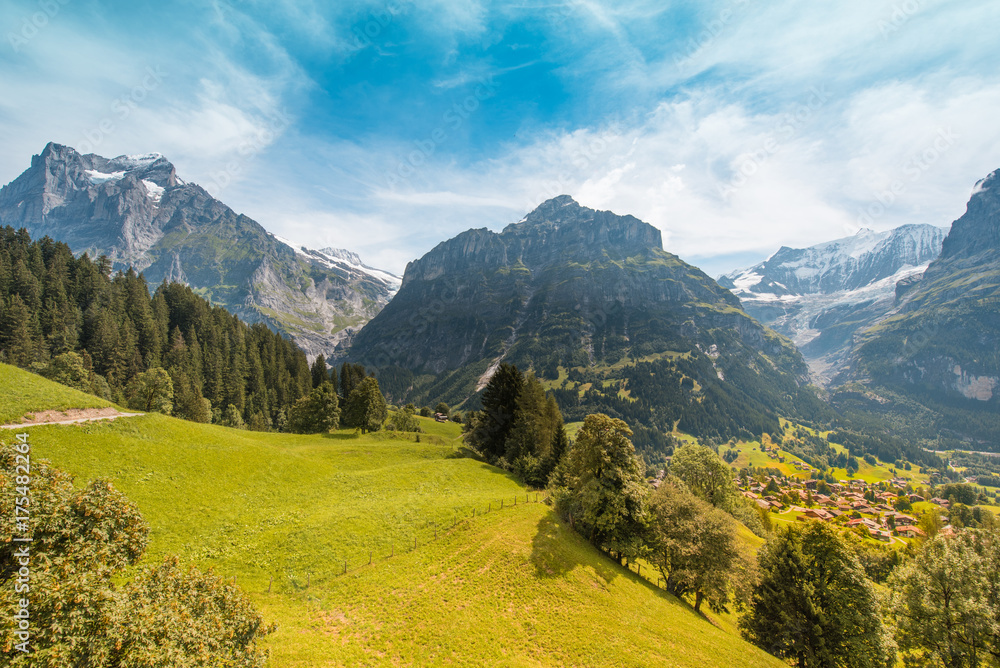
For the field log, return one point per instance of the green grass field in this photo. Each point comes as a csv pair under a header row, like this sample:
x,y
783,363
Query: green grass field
x,y
24,392
513,587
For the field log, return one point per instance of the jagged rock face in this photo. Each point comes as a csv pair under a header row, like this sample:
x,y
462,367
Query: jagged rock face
x,y
135,210
823,296
941,340
565,287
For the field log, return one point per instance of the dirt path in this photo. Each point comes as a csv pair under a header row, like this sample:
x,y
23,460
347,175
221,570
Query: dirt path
x,y
71,416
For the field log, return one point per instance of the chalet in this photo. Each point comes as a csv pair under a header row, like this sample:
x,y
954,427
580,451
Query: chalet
x,y
819,514
947,531
944,503
910,531
916,498
440,417
881,535
811,484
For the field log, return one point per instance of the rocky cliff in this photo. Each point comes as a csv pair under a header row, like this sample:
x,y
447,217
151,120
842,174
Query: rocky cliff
x,y
575,293
939,345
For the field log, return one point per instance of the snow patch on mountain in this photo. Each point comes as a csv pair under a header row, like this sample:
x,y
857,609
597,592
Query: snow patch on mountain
x,y
822,295
343,260
154,191
97,178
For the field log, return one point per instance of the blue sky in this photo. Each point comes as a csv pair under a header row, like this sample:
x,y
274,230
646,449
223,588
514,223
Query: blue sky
x,y
386,127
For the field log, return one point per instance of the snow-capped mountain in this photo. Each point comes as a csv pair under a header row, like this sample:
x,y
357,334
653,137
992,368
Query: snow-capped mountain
x,y
138,212
822,295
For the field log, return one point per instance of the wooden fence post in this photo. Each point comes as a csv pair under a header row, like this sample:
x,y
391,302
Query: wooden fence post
x,y
269,584
307,580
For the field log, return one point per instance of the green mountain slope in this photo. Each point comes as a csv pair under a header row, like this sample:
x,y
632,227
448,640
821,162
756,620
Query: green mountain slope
x,y
507,588
935,361
591,302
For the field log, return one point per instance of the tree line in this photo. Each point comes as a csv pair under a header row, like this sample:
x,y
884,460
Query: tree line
x,y
74,321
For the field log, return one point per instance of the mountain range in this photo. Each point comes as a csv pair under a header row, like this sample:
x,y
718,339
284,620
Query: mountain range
x,y
593,304
822,296
136,211
933,362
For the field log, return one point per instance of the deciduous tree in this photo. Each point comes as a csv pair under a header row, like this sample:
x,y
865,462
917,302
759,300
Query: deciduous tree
x,y
693,544
366,409
605,492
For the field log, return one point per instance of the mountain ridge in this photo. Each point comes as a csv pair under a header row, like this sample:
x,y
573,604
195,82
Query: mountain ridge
x,y
138,212
822,296
570,291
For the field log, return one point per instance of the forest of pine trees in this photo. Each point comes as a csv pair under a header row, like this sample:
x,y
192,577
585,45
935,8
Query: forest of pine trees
x,y
70,319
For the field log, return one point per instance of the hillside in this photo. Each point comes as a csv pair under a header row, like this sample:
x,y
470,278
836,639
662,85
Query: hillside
x,y
822,296
593,304
139,213
508,588
933,362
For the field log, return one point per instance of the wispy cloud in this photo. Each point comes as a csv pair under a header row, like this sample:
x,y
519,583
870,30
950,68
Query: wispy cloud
x,y
735,126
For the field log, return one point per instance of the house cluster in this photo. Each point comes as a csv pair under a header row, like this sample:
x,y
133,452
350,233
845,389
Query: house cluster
x,y
853,503
440,417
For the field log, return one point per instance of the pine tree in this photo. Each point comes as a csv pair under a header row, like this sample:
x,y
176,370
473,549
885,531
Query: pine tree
x,y
320,374
814,603
19,338
499,410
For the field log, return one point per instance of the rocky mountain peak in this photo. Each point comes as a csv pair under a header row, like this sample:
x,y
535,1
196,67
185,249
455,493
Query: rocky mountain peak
x,y
978,230
136,211
560,230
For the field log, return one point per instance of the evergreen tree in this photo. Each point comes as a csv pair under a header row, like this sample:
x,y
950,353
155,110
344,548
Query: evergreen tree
x,y
366,409
320,374
537,421
318,413
350,376
814,603
18,333
496,420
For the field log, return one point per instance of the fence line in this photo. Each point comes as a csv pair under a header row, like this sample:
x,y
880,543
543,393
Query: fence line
x,y
521,499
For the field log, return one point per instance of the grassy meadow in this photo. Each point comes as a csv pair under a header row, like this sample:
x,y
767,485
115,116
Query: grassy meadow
x,y
279,512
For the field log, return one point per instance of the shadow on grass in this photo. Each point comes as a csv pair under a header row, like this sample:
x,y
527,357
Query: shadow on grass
x,y
556,546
